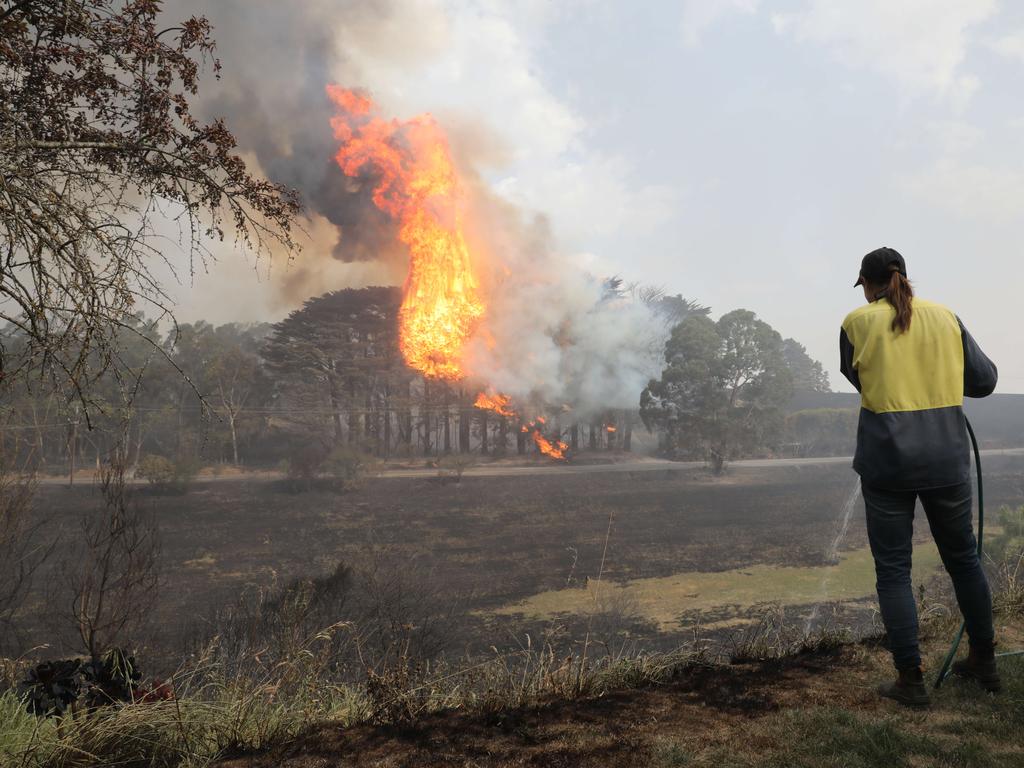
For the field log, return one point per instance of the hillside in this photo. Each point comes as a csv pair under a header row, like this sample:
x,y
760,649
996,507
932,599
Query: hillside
x,y
998,420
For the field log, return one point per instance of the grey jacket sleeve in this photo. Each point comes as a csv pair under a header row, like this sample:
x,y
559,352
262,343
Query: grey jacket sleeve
x,y
846,360
980,373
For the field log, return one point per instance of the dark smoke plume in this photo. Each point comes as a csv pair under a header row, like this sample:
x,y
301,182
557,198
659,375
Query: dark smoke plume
x,y
277,58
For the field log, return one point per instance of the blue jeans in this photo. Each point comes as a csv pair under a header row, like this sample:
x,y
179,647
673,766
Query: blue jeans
x,y
890,522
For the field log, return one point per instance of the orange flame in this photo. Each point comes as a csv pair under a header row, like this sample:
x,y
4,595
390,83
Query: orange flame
x,y
500,404
610,428
416,183
496,403
556,449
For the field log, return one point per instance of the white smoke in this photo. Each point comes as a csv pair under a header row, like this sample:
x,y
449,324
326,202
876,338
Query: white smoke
x,y
550,335
554,334
559,340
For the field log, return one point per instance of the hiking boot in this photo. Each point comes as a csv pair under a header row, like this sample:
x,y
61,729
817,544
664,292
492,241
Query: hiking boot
x,y
980,666
908,689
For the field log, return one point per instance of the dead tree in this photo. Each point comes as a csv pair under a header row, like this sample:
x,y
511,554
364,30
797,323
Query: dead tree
x,y
112,573
23,548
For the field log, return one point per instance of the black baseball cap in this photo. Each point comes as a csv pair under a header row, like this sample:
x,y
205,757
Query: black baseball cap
x,y
879,264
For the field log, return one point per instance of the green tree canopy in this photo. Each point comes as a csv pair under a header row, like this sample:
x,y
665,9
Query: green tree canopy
x,y
339,353
808,375
722,391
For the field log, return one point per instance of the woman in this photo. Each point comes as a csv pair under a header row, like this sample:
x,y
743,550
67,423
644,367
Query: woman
x,y
913,361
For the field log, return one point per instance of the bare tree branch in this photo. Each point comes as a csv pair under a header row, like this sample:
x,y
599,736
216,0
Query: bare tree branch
x,y
99,152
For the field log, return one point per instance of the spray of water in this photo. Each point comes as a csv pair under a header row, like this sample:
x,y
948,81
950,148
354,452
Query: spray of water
x,y
832,552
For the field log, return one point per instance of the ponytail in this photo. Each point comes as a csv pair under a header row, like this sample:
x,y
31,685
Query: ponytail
x,y
900,294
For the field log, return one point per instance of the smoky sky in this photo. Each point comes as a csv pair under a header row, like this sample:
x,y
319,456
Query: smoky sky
x,y
276,60
547,329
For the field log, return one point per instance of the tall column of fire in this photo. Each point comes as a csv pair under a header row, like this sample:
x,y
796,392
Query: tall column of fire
x,y
416,183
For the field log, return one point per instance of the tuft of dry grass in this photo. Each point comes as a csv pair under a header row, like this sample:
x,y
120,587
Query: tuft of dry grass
x,y
234,697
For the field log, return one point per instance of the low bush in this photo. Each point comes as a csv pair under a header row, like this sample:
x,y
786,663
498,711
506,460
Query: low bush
x,y
1009,542
348,469
342,469
451,468
62,687
165,476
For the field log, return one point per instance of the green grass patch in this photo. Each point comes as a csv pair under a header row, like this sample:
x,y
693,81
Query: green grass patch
x,y
827,738
663,599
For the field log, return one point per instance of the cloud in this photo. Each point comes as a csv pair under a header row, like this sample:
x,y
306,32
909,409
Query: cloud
x,y
1011,45
971,189
961,181
701,15
595,199
953,137
920,44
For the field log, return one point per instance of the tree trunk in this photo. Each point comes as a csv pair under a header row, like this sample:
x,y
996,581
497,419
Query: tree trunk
x,y
425,417
593,436
483,433
520,442
138,449
181,419
387,421
574,436
332,395
234,436
465,424
502,436
406,427
72,450
447,421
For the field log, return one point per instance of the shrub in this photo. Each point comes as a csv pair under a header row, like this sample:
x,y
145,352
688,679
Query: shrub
x,y
113,678
821,431
1010,540
304,466
166,476
450,468
348,468
53,688
158,470
342,469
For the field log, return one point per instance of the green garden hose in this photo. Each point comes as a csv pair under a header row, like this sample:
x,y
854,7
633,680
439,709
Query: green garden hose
x,y
944,672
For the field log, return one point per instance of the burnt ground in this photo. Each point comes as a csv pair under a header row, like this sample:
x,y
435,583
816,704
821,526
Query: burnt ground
x,y
495,540
609,730
811,710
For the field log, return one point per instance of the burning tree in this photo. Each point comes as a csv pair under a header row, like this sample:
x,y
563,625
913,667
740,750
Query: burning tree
x,y
99,150
415,182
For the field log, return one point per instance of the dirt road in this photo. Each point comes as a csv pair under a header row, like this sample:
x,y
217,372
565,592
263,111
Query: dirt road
x,y
498,469
642,465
